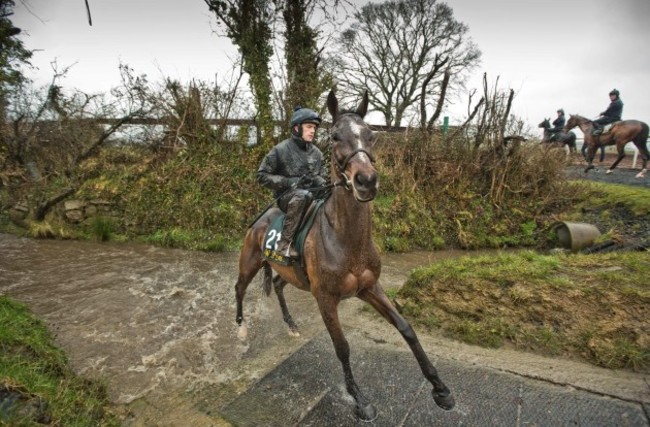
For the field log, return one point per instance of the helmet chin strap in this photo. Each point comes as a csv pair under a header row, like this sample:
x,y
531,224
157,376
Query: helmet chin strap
x,y
297,133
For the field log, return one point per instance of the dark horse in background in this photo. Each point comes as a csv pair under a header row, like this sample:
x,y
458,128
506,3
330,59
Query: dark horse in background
x,y
563,138
340,259
620,134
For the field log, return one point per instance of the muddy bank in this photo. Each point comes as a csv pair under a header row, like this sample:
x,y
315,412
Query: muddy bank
x,y
158,325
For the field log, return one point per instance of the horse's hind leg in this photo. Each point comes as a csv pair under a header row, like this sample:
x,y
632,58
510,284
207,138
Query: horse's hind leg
x,y
278,285
378,299
645,156
250,262
329,311
621,155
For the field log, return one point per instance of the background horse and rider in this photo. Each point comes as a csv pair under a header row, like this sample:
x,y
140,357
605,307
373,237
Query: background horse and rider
x,y
559,138
339,259
620,134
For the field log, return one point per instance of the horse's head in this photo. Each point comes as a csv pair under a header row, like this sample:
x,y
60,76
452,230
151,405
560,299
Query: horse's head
x,y
574,120
352,144
545,124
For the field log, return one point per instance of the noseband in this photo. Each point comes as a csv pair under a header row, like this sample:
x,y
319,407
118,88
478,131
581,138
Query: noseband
x,y
340,166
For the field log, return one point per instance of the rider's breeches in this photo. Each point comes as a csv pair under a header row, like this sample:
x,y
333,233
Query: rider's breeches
x,y
293,204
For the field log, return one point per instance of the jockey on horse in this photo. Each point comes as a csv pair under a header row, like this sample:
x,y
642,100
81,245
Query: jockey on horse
x,y
612,114
558,126
290,169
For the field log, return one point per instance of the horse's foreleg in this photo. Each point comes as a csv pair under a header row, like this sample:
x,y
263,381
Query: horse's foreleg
x,y
378,299
591,151
329,311
278,285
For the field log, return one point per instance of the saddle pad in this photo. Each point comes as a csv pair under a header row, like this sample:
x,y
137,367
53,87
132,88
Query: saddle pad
x,y
271,238
274,232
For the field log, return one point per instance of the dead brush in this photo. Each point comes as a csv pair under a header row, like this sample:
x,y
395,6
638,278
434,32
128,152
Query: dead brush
x,y
475,186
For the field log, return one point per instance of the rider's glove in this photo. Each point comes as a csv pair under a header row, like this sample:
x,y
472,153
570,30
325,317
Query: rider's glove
x,y
292,181
318,181
305,182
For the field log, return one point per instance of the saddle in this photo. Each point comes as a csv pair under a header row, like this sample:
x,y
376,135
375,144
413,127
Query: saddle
x,y
605,130
558,136
274,232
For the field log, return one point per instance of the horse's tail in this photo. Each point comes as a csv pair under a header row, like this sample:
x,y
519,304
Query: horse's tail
x,y
642,137
268,274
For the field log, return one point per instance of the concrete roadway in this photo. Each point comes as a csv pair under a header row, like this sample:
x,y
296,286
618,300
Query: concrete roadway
x,y
307,389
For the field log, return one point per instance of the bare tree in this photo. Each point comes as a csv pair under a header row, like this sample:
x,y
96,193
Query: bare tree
x,y
397,50
53,133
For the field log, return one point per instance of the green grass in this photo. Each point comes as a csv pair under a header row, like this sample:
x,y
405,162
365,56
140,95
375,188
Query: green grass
x,y
589,307
605,196
191,239
102,228
35,374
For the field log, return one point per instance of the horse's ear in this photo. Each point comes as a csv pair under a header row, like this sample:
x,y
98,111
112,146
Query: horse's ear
x,y
333,104
362,109
373,136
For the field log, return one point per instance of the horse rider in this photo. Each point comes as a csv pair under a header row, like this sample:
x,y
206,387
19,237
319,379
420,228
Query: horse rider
x,y
289,169
612,114
558,125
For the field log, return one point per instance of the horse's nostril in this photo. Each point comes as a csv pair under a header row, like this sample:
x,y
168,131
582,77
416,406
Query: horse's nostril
x,y
366,180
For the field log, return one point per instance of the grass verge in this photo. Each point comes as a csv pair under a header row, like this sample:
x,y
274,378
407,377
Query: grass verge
x,y
36,385
593,308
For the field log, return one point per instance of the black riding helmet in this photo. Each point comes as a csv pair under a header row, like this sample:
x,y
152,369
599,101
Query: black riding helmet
x,y
561,110
303,115
615,92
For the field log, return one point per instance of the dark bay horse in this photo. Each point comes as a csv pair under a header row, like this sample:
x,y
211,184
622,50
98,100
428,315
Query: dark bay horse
x,y
340,258
620,134
568,138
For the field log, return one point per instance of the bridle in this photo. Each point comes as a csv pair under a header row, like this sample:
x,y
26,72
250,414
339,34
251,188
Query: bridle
x,y
341,166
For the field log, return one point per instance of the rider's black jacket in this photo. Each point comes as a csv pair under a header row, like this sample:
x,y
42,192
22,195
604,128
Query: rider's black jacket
x,y
289,161
558,124
615,110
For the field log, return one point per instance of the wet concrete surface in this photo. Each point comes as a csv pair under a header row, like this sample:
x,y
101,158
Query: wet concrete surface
x,y
158,326
393,382
620,175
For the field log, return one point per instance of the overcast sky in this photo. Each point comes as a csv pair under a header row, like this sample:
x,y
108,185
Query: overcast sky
x,y
553,53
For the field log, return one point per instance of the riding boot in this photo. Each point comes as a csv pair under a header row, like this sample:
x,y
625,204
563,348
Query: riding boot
x,y
295,209
598,129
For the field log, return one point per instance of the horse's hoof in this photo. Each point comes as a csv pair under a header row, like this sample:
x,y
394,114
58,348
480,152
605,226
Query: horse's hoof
x,y
445,402
294,332
608,171
640,175
242,332
367,413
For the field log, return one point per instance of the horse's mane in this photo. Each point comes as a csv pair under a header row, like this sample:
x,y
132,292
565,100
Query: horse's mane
x,y
579,116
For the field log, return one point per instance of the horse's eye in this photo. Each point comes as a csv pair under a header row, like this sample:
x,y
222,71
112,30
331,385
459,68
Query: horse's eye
x,y
336,136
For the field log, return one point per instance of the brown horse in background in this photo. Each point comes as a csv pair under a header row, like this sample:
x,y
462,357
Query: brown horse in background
x,y
340,259
620,134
